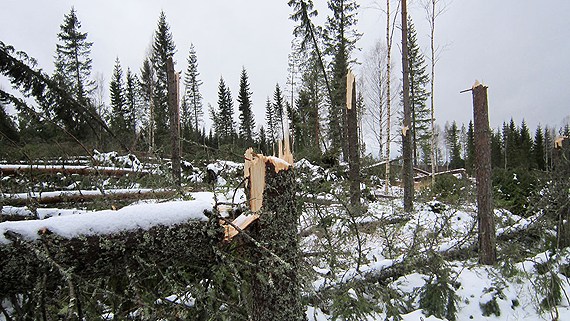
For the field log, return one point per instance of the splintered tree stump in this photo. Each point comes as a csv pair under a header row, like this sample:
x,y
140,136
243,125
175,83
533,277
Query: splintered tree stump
x,y
275,286
273,232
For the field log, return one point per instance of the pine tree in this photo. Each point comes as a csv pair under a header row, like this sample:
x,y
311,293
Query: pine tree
x,y
162,48
72,71
421,114
340,37
193,113
118,122
247,122
538,150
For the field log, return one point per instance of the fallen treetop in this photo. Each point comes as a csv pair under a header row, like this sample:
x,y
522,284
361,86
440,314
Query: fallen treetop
x,y
142,216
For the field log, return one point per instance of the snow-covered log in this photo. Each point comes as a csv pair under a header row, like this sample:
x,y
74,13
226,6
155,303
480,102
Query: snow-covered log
x,y
141,242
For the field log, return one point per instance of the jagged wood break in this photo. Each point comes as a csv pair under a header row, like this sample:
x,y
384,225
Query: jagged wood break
x,y
254,172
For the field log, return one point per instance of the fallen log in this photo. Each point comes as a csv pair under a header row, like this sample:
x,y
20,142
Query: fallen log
x,y
10,170
81,196
142,242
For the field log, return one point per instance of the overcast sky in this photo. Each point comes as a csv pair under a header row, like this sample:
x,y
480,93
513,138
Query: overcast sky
x,y
519,48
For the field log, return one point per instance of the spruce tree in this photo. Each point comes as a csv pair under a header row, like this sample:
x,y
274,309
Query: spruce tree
x,y
538,150
470,149
223,116
192,115
163,47
272,125
72,71
525,151
146,86
118,115
132,102
278,109
421,114
452,138
247,122
340,41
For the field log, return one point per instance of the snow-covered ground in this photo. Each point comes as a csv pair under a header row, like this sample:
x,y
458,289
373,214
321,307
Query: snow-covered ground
x,y
511,290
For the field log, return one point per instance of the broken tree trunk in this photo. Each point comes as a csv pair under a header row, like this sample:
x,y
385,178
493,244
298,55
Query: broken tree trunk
x,y
561,171
174,120
485,215
353,144
275,285
407,170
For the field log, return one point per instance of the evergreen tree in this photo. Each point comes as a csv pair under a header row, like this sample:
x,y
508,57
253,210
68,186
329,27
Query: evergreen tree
x,y
511,143
470,149
421,114
340,37
525,147
72,71
247,123
163,48
118,115
272,124
132,102
146,85
496,150
278,109
8,128
262,141
454,146
192,113
538,150
223,118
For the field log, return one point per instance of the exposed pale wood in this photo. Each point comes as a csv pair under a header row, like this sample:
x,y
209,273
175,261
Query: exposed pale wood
x,y
559,140
350,80
242,221
254,171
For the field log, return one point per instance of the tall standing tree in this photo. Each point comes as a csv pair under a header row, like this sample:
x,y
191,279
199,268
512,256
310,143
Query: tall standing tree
x,y
132,104
340,40
272,124
223,117
525,144
247,122
452,138
279,110
118,117
421,114
73,71
470,149
538,150
192,115
163,47
147,84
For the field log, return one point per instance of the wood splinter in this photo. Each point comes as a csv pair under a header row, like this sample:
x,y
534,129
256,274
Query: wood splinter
x,y
254,172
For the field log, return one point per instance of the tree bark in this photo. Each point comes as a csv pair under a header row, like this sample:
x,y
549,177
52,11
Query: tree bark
x,y
174,120
353,144
407,170
485,215
275,285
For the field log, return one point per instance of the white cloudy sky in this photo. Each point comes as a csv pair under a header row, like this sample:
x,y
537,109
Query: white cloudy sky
x,y
519,48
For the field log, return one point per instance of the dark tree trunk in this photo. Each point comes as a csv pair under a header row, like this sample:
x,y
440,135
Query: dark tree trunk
x,y
407,170
485,215
174,120
275,285
353,152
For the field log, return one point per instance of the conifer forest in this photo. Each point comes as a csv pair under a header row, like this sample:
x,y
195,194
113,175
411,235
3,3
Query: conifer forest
x,y
366,184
